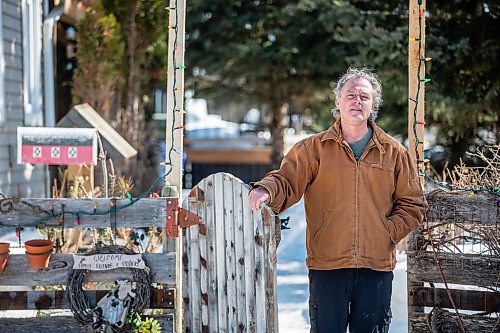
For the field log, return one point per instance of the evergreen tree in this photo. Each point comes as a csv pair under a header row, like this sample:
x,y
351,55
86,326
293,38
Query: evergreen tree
x,y
283,53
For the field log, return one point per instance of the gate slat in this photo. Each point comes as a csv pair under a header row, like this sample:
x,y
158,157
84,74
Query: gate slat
x,y
213,313
201,210
194,275
220,248
232,306
270,270
249,246
260,264
240,194
187,280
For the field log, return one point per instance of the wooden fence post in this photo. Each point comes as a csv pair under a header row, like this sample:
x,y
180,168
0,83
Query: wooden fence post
x,y
174,126
416,73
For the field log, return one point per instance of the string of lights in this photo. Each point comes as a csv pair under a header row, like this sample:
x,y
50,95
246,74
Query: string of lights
x,y
415,100
421,82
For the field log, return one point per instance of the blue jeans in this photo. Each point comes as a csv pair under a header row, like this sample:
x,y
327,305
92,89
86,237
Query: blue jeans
x,y
360,297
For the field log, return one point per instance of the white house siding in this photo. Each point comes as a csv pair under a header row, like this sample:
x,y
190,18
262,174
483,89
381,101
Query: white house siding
x,y
15,179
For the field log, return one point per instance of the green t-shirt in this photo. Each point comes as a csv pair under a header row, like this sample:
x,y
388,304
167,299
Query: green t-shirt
x,y
358,146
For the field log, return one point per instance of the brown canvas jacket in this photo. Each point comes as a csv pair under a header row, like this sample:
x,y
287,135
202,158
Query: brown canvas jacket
x,y
356,211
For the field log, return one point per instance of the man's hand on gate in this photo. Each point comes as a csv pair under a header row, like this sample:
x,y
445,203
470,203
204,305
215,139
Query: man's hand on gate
x,y
257,197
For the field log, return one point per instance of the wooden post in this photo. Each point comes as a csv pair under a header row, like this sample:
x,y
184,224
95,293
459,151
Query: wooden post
x,y
416,88
416,91
174,123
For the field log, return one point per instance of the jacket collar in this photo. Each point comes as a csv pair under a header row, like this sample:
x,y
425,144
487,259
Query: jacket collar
x,y
379,136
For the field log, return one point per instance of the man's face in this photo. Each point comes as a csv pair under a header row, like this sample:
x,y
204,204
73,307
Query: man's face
x,y
356,101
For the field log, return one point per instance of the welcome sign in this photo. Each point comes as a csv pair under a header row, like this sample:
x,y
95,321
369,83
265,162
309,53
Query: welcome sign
x,y
106,261
55,145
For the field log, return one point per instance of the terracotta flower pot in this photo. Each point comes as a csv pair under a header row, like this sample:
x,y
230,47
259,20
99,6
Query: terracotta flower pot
x,y
38,252
4,253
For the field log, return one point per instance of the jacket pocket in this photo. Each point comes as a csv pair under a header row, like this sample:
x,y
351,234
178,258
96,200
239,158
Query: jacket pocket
x,y
386,226
324,224
383,167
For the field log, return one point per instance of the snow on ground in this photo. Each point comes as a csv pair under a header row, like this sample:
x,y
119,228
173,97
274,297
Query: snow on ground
x,y
293,282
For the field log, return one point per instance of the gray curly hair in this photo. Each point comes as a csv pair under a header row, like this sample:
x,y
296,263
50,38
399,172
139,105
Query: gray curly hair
x,y
370,76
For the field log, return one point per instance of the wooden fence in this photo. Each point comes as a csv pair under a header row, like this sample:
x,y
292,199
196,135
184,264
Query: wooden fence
x,y
19,277
230,261
464,230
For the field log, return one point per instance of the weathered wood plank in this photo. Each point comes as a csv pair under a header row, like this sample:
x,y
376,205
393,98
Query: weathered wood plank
x,y
219,233
474,300
62,324
260,267
442,321
459,207
200,209
19,273
270,270
410,278
194,277
145,212
468,269
213,313
232,305
249,262
240,195
186,278
57,299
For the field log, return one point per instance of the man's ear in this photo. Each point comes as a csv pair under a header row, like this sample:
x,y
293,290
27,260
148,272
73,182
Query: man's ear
x,y
337,102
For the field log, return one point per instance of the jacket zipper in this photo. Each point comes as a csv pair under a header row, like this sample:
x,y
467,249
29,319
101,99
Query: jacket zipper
x,y
356,205
356,226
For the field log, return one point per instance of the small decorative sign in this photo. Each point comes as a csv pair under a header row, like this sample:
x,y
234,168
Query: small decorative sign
x,y
106,261
56,145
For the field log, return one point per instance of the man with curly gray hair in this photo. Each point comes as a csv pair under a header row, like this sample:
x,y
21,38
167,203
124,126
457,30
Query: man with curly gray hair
x,y
362,196
365,73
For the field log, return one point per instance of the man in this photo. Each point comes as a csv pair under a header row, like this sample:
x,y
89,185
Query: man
x,y
362,196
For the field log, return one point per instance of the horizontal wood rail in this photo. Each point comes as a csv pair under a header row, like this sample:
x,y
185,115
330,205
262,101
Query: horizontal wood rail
x,y
145,212
468,269
474,300
446,322
62,324
19,273
57,299
460,207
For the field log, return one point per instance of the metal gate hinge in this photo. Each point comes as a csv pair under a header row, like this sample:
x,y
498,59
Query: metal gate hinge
x,y
179,217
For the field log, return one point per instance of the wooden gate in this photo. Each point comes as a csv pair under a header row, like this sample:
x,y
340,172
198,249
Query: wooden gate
x,y
229,261
464,229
